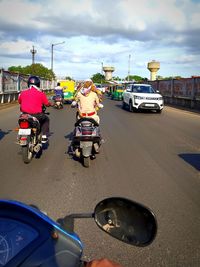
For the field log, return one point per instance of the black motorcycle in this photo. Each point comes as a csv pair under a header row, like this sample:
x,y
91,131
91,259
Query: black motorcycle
x,y
86,140
29,136
58,102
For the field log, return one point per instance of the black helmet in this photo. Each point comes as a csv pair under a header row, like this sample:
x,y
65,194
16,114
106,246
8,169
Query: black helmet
x,y
33,80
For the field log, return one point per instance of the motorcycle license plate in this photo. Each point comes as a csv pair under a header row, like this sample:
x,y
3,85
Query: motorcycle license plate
x,y
85,144
24,131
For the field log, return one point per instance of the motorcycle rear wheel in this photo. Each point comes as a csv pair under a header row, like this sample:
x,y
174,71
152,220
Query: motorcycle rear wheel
x,y
86,162
26,154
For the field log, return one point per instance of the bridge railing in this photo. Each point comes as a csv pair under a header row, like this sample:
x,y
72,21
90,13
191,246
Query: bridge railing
x,y
11,84
183,92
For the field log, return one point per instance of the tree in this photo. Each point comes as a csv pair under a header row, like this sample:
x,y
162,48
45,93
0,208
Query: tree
x,y
135,78
98,78
16,69
69,78
168,78
116,78
34,69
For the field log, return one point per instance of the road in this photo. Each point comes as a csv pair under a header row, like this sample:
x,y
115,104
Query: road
x,y
151,158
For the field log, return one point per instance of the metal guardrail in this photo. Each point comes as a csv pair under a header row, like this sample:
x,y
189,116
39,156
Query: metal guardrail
x,y
11,84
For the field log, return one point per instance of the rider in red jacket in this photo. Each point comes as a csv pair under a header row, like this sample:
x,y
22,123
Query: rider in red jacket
x,y
32,101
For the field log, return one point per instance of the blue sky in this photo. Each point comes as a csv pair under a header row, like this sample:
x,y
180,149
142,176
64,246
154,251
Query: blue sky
x,y
99,32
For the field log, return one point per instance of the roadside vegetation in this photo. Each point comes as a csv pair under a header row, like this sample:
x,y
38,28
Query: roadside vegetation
x,y
41,71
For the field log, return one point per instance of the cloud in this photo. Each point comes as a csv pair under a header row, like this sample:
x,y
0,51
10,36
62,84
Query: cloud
x,y
93,32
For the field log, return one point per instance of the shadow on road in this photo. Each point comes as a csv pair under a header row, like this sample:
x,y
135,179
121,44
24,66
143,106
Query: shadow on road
x,y
2,133
69,136
69,150
192,159
141,111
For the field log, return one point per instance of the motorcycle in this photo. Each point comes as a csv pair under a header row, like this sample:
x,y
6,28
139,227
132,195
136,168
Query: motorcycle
x,y
29,136
28,237
58,102
86,140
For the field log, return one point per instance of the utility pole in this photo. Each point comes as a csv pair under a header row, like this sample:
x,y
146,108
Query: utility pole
x,y
129,59
33,52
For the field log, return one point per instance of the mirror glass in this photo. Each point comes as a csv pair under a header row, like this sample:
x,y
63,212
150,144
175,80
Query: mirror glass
x,y
126,220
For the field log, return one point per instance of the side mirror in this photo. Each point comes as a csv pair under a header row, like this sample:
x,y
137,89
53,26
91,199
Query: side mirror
x,y
126,220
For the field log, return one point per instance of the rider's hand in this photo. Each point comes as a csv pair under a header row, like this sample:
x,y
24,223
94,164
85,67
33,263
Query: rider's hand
x,y
50,104
100,105
73,104
102,263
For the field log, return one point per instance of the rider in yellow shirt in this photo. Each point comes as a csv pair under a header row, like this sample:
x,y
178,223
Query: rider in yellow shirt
x,y
88,101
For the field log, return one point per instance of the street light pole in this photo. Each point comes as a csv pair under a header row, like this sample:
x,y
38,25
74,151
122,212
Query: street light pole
x,y
101,71
52,45
129,66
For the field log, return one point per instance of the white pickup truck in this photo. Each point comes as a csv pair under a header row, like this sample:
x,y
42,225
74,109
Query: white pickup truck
x,y
142,96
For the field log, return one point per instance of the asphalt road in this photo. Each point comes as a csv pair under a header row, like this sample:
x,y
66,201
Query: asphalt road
x,y
151,158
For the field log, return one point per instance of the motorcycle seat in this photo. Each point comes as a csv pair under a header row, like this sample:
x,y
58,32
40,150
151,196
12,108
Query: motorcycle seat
x,y
78,122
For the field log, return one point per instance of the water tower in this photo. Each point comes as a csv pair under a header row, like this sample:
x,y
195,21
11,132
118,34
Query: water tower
x,y
153,67
108,72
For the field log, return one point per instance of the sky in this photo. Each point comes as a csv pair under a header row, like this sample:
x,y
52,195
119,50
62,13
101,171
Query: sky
x,y
89,34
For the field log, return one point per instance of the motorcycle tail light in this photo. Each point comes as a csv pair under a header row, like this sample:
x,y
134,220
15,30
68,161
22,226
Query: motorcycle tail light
x,y
23,138
86,132
24,124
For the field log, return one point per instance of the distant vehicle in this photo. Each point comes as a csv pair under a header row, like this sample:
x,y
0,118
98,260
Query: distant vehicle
x,y
68,89
116,91
142,96
100,87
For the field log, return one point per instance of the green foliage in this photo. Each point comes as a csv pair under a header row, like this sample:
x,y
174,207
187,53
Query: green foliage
x,y
116,78
69,78
168,78
16,69
98,78
135,78
34,69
